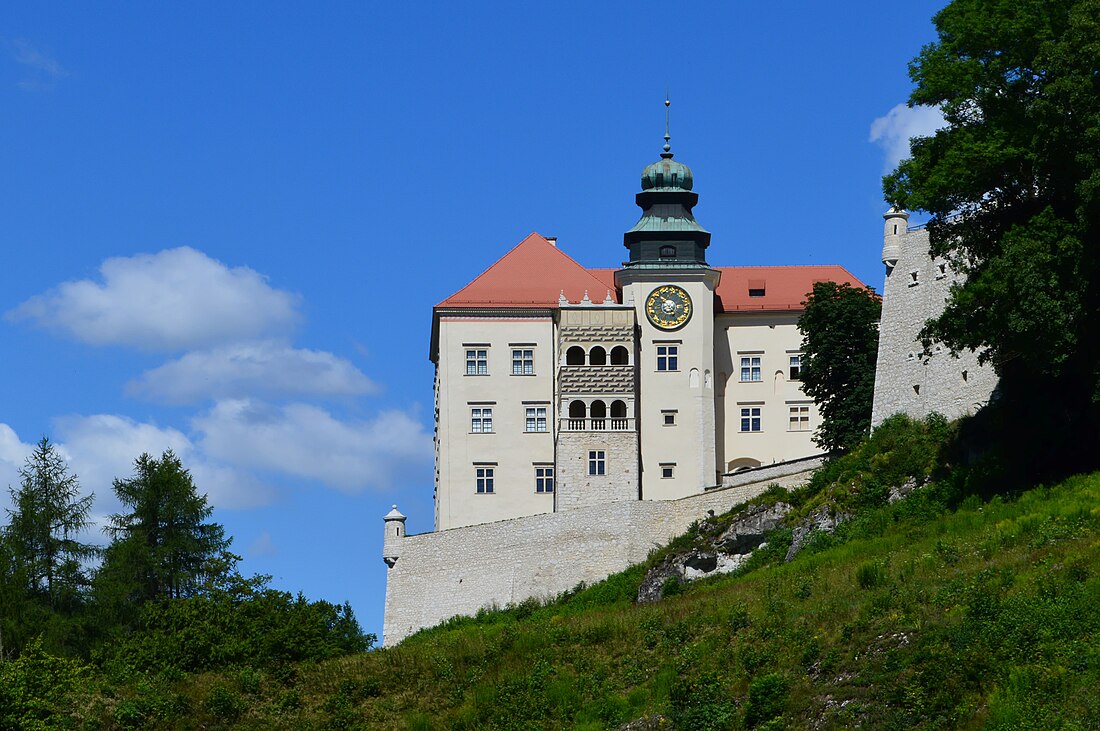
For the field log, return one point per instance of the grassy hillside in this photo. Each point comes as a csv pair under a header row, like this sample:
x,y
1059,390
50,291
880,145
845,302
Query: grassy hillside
x,y
942,610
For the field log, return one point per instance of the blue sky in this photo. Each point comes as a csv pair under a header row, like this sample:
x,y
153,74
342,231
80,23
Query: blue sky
x,y
224,225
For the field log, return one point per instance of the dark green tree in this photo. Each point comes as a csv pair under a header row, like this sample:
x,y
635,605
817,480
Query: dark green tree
x,y
839,347
1012,184
46,557
163,548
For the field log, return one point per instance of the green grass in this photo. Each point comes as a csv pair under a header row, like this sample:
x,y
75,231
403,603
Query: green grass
x,y
938,611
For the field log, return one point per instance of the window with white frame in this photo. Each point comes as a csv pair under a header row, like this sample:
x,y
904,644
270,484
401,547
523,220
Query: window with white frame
x,y
535,419
668,470
544,478
800,418
668,357
796,367
750,368
750,418
484,479
477,361
523,361
668,417
597,462
481,419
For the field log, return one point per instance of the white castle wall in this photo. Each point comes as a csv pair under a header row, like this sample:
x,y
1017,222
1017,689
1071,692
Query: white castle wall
x,y
915,290
459,571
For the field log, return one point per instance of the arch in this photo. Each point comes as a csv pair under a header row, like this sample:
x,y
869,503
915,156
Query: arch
x,y
620,355
708,382
598,410
574,356
741,464
693,378
597,356
577,409
618,409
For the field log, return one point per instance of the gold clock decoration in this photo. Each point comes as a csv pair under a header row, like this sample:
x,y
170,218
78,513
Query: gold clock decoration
x,y
668,307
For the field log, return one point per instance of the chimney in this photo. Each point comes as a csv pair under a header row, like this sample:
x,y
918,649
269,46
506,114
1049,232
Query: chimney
x,y
552,239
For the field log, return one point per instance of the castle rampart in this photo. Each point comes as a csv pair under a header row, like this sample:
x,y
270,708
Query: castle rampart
x,y
459,571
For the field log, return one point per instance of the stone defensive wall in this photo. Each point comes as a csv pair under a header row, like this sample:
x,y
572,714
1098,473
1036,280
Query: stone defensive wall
x,y
457,572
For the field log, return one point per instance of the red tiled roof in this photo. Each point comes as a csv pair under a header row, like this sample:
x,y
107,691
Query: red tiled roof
x,y
785,287
533,274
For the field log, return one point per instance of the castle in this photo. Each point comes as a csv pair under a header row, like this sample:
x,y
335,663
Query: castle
x,y
585,416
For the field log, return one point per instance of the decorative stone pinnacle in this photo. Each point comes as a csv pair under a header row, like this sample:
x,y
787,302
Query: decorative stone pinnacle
x,y
667,154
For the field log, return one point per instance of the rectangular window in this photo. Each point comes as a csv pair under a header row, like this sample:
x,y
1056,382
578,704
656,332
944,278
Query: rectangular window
x,y
796,367
523,362
597,462
750,418
544,478
750,368
668,357
668,418
481,420
668,470
800,418
536,419
477,362
484,480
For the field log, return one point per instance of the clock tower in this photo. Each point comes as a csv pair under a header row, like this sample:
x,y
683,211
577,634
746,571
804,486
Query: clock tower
x,y
668,280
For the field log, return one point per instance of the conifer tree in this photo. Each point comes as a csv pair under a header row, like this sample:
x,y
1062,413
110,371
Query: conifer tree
x,y
41,539
164,547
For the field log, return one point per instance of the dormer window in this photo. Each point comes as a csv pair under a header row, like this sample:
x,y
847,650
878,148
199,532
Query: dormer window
x,y
757,287
668,252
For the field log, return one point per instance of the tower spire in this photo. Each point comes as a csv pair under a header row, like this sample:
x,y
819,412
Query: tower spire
x,y
667,154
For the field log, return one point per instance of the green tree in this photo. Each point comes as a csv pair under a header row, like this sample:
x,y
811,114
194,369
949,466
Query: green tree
x,y
163,548
839,347
1012,184
41,538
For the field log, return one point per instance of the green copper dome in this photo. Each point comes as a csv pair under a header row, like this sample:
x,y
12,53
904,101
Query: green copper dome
x,y
667,174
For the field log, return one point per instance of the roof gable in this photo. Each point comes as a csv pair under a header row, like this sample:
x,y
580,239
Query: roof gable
x,y
533,274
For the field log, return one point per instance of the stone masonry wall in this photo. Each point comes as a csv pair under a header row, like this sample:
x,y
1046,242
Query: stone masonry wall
x,y
458,571
575,488
905,381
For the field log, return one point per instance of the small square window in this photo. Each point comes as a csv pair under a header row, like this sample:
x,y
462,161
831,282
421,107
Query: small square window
x,y
756,293
796,367
523,362
477,362
750,418
484,477
544,478
750,368
597,462
799,418
668,471
535,419
668,357
668,418
481,420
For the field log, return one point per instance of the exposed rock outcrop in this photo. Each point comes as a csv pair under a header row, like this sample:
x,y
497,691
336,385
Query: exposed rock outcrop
x,y
715,552
823,519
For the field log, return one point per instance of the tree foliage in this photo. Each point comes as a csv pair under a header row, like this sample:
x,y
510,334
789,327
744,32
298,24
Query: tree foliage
x,y
1012,184
163,548
46,557
839,329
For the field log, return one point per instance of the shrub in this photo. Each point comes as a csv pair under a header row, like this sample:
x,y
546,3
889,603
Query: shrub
x,y
767,698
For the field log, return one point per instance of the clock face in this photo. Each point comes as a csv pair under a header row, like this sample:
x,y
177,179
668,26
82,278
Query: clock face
x,y
668,307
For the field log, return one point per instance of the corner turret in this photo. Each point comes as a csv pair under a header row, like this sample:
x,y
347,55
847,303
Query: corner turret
x,y
897,225
395,532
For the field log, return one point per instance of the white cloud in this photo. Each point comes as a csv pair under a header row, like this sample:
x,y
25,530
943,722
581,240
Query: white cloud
x,y
265,368
172,300
43,70
893,131
308,442
104,446
13,454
